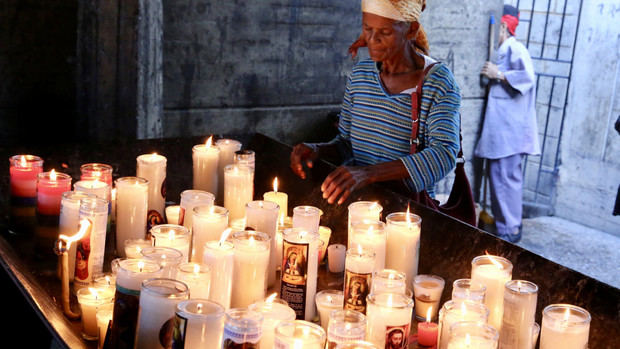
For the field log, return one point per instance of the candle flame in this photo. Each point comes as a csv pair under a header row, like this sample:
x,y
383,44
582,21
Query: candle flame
x,y
271,298
224,236
96,174
370,231
251,240
519,285
113,194
209,142
22,161
261,204
53,175
171,235
390,300
407,216
329,299
359,249
212,210
275,184
84,228
140,265
567,314
196,268
199,305
428,314
94,292
282,220
494,261
467,339
108,280
373,206
463,308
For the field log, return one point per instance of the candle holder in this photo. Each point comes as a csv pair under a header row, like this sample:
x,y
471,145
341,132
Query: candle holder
x,y
167,258
300,334
274,312
307,218
245,157
132,199
370,234
251,260
152,167
388,280
565,326
361,210
90,299
23,171
238,189
105,281
458,311
205,159
243,328
263,216
326,302
172,236
359,265
466,289
389,319
520,299
197,277
403,243
227,148
98,188
208,224
172,214
493,272
219,256
427,290
96,171
472,334
189,200
200,324
133,247
50,187
345,326
90,249
336,258
69,222
104,317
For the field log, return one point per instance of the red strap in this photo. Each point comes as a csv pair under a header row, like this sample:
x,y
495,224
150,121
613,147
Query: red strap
x,y
416,101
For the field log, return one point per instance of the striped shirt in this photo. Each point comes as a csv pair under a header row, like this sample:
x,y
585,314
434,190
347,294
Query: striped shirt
x,y
378,124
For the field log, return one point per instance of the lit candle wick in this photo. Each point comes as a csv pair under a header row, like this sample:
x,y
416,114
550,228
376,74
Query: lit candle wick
x,y
196,268
140,265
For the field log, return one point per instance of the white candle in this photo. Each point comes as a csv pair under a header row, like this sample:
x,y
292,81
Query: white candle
x,y
95,187
132,202
134,247
263,216
172,214
173,236
205,158
283,224
466,289
274,312
390,281
300,263
360,210
359,265
493,272
336,257
106,281
227,148
189,200
251,256
427,290
90,249
453,312
166,257
219,256
245,157
279,198
90,299
345,326
69,221
238,189
300,334
104,316
389,319
208,224
152,167
519,313
403,243
197,277
158,304
371,235
565,326
307,217
471,334
243,328
326,302
200,325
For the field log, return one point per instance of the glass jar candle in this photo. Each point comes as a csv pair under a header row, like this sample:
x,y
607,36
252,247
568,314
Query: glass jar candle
x,y
263,216
359,265
427,290
168,258
300,334
200,324
205,159
134,247
91,248
90,299
50,187
466,289
132,199
23,171
520,298
472,334
219,256
251,260
388,280
69,221
565,326
371,235
243,328
458,311
152,167
307,217
197,277
493,272
389,319
227,148
245,157
403,243
96,171
326,302
207,225
104,317
172,236
274,312
361,210
189,200
345,326
238,189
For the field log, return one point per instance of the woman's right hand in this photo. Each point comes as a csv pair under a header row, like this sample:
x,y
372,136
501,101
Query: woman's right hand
x,y
302,154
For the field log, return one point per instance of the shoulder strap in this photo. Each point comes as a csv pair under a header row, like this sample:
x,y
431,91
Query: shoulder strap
x,y
416,101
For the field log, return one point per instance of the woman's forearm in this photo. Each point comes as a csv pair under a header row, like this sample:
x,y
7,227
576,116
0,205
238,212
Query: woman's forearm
x,y
387,171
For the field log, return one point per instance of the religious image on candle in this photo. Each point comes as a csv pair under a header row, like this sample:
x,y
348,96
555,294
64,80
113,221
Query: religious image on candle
x,y
81,256
356,288
294,276
396,337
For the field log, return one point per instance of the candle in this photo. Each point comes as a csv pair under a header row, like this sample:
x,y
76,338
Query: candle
x,y
535,333
403,243
565,326
219,256
24,170
131,274
132,199
238,189
279,198
371,235
336,258
152,167
69,220
90,299
172,214
173,236
243,329
189,200
91,248
106,281
251,257
493,272
326,302
307,218
299,271
390,281
104,317
166,257
263,216
245,157
205,158
50,187
357,345
237,224
197,277
427,331
471,334
227,148
466,289
519,313
453,312
389,320
283,224
427,290
274,312
360,210
208,224
359,265
134,247
345,326
113,204
62,246
95,171
199,325
98,188
325,233
158,304
300,334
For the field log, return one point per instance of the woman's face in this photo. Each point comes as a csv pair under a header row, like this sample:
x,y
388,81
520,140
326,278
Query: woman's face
x,y
386,38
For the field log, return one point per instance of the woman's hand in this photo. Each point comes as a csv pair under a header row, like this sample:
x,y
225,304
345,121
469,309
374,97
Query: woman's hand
x,y
302,154
343,181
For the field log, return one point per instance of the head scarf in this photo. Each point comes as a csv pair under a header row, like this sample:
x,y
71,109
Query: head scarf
x,y
511,18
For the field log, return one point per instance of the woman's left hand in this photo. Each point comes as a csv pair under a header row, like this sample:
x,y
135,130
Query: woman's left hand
x,y
343,181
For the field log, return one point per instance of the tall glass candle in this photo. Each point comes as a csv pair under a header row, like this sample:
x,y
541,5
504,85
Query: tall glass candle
x,y
300,334
466,289
199,324
96,171
23,170
427,290
326,302
243,328
388,280
219,256
189,200
403,243
173,236
493,272
361,210
91,248
50,186
307,217
197,277
371,235
208,224
104,317
519,313
300,262
172,214
90,299
263,216
274,312
245,157
158,305
345,326
359,266
134,247
166,257
471,334
283,224
238,189
227,148
205,158
453,312
389,319
152,167
565,326
279,198
336,258
132,200
69,221
251,256
98,188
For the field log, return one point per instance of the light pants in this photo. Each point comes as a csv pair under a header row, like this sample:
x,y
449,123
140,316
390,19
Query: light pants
x,y
506,184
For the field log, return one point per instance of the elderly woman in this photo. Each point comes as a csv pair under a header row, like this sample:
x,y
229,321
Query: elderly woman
x,y
375,126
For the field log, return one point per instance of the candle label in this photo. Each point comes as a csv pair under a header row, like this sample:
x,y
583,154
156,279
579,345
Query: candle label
x,y
153,218
246,338
126,306
294,276
180,330
356,288
82,256
396,337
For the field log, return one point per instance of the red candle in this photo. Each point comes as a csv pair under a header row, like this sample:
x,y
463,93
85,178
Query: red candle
x,y
23,171
95,171
50,186
427,331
